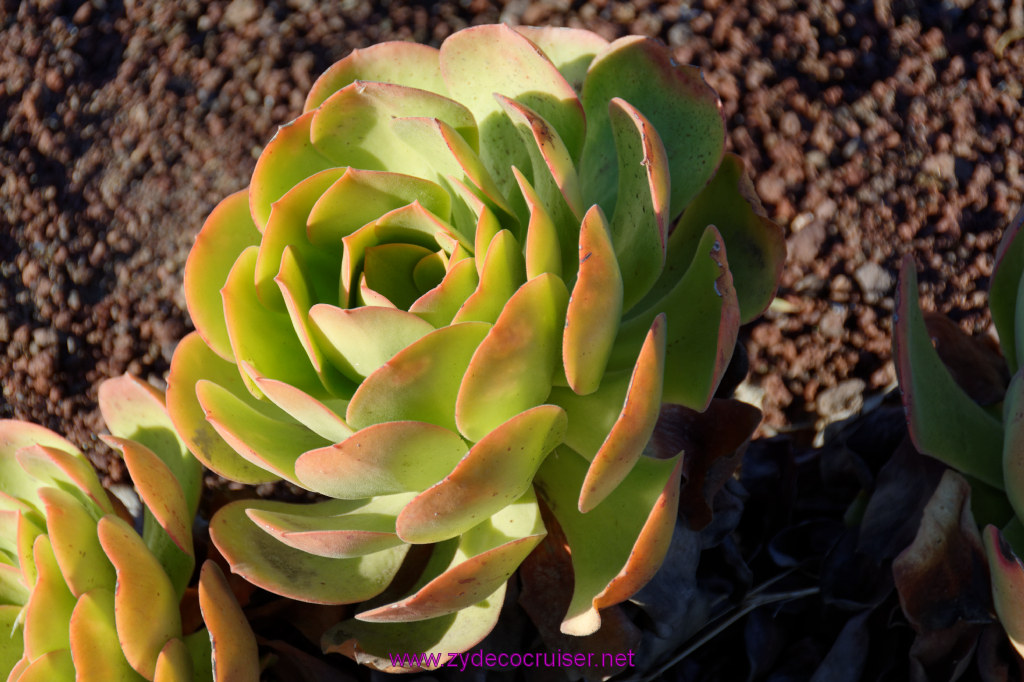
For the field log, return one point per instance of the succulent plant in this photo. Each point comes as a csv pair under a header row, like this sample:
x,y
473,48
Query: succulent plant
x,y
962,409
461,285
85,596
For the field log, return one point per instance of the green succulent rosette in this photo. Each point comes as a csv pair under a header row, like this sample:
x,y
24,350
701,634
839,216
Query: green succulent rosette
x,y
985,442
83,596
461,285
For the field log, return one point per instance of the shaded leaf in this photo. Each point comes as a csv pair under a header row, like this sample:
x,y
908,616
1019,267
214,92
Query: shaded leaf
x,y
547,579
942,577
617,547
1004,291
944,422
683,109
712,445
757,247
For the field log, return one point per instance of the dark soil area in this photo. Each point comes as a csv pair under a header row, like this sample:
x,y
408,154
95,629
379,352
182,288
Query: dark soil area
x,y
871,129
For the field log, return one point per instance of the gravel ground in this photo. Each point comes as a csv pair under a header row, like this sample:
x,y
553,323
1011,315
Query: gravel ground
x,y
872,129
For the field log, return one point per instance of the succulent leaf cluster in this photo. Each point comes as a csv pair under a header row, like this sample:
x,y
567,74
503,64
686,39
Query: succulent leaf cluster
x,y
462,285
83,596
981,435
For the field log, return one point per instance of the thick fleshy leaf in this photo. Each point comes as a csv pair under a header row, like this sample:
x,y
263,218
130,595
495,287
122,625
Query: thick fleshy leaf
x,y
288,158
628,437
11,647
382,459
389,269
1007,585
546,577
487,556
618,546
1013,445
411,224
941,575
76,548
595,307
552,163
371,643
570,49
321,417
551,173
482,60
235,656
53,666
683,109
145,603
360,197
135,411
49,608
404,63
712,443
358,341
503,272
1004,297
159,489
53,466
28,533
13,590
451,157
975,363
512,369
298,299
421,382
194,361
440,305
498,470
269,563
271,444
225,234
704,320
757,246
263,338
640,221
543,250
353,126
94,644
342,529
944,422
286,228
592,416
174,664
15,435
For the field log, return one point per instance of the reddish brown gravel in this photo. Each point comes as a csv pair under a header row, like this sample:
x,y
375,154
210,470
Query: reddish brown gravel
x,y
871,129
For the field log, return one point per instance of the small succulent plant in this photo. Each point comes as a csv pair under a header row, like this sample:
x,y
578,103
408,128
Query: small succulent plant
x,y
85,596
460,286
972,418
